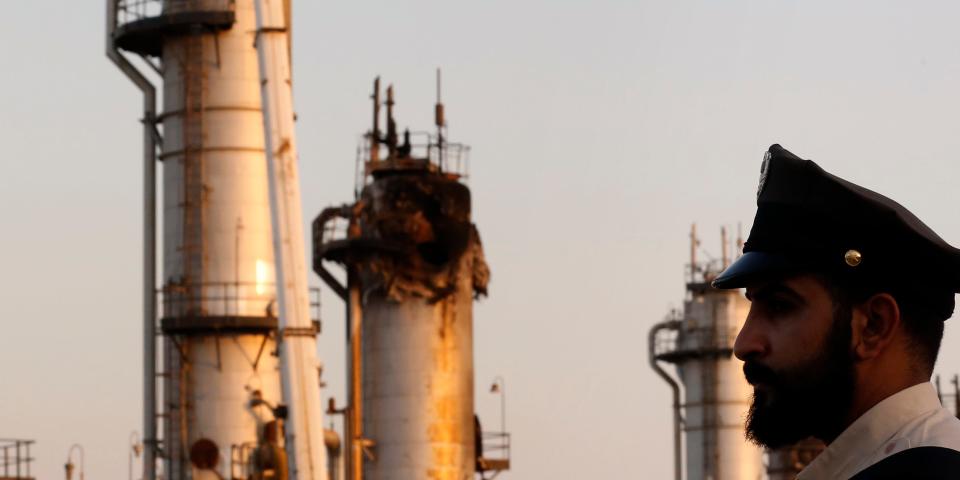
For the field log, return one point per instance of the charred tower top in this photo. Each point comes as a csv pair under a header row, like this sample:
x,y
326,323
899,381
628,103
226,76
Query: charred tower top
x,y
414,266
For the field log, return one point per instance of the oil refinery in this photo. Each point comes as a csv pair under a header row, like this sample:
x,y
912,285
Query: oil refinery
x,y
244,379
231,374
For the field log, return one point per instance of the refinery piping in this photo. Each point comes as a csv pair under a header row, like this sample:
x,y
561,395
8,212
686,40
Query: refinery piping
x,y
231,375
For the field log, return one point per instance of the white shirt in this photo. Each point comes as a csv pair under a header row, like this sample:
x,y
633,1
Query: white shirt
x,y
910,418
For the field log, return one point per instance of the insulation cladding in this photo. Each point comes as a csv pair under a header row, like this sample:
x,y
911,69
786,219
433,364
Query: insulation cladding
x,y
414,266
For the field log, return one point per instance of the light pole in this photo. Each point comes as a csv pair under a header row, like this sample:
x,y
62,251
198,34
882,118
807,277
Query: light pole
x,y
135,448
499,386
69,465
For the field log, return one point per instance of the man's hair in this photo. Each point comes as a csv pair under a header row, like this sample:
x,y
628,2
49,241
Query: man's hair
x,y
924,328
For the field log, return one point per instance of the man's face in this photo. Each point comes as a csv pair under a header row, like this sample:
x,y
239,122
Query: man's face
x,y
795,345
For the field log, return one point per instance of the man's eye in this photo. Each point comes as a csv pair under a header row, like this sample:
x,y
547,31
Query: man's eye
x,y
776,305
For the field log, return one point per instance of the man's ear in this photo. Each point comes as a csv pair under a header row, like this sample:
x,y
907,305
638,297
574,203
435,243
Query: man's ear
x,y
874,324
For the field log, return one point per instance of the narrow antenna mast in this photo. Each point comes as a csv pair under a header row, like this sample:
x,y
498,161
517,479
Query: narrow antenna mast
x,y
694,243
375,132
391,125
440,122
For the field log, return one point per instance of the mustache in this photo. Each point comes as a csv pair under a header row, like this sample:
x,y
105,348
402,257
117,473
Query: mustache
x,y
757,373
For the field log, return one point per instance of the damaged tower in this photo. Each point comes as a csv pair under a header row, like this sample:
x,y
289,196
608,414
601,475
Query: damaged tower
x,y
699,341
414,265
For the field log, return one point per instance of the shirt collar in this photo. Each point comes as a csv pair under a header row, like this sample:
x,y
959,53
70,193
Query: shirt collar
x,y
845,455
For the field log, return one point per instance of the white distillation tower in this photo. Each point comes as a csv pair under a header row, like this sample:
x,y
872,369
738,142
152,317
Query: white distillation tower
x,y
228,339
711,406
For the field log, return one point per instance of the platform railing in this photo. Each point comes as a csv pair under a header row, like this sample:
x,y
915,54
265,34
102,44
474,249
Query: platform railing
x,y
496,445
334,229
496,454
672,344
129,11
15,459
226,299
451,158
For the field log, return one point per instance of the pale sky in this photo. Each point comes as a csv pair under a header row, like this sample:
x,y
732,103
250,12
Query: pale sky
x,y
600,131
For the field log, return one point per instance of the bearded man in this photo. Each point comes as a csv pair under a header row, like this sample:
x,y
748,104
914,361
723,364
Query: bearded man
x,y
849,292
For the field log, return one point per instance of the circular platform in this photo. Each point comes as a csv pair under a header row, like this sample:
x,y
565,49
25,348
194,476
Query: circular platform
x,y
146,36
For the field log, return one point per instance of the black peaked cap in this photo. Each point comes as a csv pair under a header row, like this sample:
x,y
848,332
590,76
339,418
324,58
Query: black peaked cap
x,y
808,220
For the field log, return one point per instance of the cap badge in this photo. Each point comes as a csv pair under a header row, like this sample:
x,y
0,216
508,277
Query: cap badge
x,y
853,258
764,170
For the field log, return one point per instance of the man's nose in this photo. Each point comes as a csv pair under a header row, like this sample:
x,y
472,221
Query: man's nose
x,y
751,341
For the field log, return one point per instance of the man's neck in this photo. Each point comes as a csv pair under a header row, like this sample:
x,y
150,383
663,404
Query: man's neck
x,y
868,394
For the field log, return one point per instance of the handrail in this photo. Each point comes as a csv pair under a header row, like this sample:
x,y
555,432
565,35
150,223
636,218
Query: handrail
x,y
696,341
203,298
19,464
452,158
496,442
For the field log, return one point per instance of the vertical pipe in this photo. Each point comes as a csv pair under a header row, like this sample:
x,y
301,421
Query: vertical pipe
x,y
356,380
693,251
298,352
674,387
149,243
149,290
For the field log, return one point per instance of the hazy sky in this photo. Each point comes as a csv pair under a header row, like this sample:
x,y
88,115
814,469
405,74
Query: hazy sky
x,y
600,131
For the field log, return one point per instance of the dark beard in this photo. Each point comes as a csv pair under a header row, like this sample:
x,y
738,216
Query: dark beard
x,y
810,400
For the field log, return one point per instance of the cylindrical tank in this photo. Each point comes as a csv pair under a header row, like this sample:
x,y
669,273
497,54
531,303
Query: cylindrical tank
x,y
716,395
218,253
417,326
414,266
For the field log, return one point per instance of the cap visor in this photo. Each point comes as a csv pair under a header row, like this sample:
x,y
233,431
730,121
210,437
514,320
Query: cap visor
x,y
751,266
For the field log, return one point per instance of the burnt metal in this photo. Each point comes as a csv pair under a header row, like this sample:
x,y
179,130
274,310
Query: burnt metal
x,y
204,325
146,36
414,227
408,234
